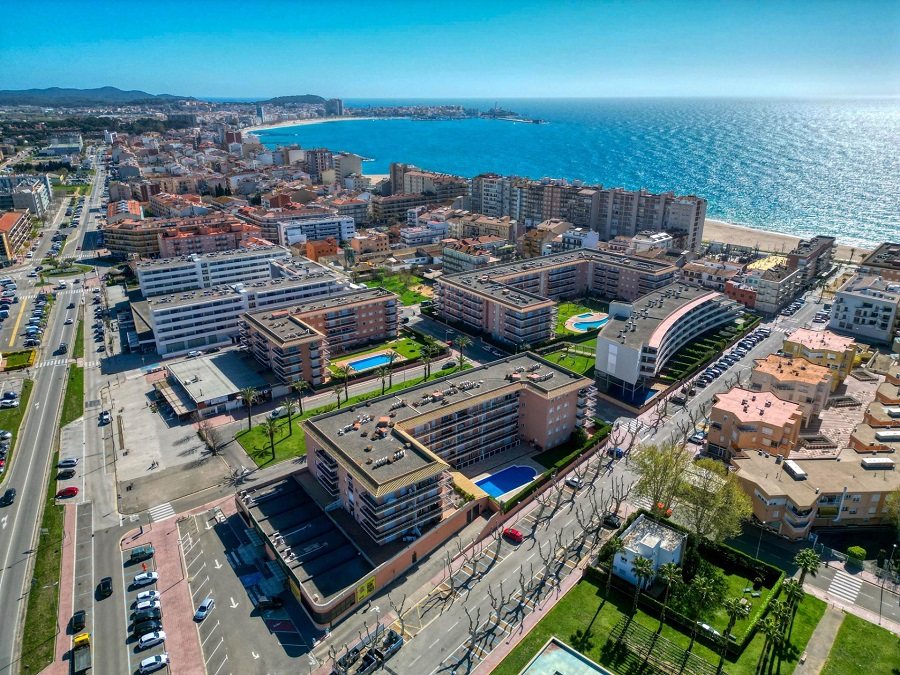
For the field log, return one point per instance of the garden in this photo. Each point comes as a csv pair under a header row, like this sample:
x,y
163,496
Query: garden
x,y
566,310
411,288
862,648
704,349
577,358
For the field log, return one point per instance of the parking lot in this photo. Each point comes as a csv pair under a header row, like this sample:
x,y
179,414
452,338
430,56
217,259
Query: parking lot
x,y
129,570
226,564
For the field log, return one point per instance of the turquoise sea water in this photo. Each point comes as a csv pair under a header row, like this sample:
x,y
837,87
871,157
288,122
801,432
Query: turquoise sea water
x,y
793,166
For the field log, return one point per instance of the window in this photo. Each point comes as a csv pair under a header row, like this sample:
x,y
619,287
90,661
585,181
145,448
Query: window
x,y
775,513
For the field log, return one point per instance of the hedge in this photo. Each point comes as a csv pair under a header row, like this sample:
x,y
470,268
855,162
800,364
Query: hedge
x,y
19,360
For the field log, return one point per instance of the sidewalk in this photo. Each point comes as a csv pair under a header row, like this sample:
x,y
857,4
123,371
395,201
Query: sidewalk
x,y
862,613
61,665
820,643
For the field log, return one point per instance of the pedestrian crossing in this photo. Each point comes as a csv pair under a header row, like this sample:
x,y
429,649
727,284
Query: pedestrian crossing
x,y
67,293
161,512
845,586
633,426
63,361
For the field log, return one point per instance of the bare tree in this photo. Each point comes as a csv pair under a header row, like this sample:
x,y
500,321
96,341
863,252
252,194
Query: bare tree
x,y
398,610
619,492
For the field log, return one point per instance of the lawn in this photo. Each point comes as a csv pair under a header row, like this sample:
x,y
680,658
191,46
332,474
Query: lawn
x,y
862,648
396,284
11,418
256,443
73,403
78,348
19,360
579,363
70,271
584,620
566,310
39,636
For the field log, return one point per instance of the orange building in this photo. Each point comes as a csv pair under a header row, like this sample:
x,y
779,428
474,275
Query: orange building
x,y
744,420
323,247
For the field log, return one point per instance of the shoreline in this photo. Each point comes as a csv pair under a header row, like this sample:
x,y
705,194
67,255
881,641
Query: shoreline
x,y
303,123
766,240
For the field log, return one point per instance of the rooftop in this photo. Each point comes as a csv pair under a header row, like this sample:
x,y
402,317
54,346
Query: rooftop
x,y
9,219
807,246
768,262
376,428
871,286
753,406
887,255
214,376
827,476
649,533
217,256
820,339
789,368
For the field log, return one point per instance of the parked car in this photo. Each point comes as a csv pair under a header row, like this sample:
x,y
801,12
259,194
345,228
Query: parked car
x,y
67,462
194,354
612,521
280,411
78,621
146,578
575,482
142,553
65,474
211,350
266,602
6,435
70,491
153,663
146,606
7,395
145,627
105,417
104,588
513,535
152,614
151,639
8,497
204,609
143,596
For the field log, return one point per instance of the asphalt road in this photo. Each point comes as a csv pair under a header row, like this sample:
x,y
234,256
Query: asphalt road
x,y
19,523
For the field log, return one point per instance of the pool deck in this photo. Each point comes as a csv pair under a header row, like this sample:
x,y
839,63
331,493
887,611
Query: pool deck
x,y
594,316
350,359
518,456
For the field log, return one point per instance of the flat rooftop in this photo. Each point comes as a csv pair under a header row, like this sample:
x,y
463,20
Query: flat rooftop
x,y
820,339
829,476
321,557
651,533
886,255
790,368
660,306
768,262
220,256
755,406
354,432
871,286
216,375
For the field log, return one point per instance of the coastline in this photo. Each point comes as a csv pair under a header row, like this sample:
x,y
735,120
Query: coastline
x,y
771,242
303,123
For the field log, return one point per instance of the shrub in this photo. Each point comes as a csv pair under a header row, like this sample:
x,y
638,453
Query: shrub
x,y
857,554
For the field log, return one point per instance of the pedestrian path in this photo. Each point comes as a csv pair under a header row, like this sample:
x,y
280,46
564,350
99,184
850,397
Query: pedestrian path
x,y
162,511
820,642
51,362
845,586
69,292
634,426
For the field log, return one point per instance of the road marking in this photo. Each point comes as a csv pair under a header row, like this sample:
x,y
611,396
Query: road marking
x,y
845,586
223,663
212,630
434,643
254,654
3,521
214,650
233,603
162,511
218,566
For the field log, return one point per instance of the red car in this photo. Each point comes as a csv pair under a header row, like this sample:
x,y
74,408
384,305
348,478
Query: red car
x,y
513,535
67,492
77,248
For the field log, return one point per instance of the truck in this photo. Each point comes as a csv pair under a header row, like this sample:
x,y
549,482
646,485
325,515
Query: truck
x,y
81,653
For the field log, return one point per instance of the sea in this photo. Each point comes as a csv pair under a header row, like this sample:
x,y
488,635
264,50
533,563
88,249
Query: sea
x,y
798,167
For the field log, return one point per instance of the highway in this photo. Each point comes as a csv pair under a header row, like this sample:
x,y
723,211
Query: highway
x,y
30,468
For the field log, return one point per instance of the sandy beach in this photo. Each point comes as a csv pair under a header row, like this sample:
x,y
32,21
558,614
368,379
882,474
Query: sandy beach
x,y
773,242
303,123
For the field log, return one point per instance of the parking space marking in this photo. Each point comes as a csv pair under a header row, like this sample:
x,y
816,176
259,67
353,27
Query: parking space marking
x,y
194,593
219,644
223,663
211,631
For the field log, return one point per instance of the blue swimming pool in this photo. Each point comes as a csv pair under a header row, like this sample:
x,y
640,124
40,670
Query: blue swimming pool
x,y
370,362
509,479
585,316
589,325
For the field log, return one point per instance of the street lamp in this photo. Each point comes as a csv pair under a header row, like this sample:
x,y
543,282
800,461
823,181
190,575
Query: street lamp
x,y
883,579
759,543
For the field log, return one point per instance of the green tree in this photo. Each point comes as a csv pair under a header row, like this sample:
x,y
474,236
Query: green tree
x,y
661,471
392,356
771,630
290,407
713,504
642,568
426,361
702,591
462,341
670,576
249,396
298,386
338,390
736,609
343,372
383,372
892,509
271,429
809,563
614,546
793,593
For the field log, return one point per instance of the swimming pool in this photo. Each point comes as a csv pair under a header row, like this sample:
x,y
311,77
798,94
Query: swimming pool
x,y
585,316
370,362
589,325
509,479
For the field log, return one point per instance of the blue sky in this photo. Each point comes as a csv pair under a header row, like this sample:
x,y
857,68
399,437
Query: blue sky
x,y
456,48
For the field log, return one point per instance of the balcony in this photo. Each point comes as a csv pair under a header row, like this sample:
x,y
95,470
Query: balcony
x,y
373,529
421,489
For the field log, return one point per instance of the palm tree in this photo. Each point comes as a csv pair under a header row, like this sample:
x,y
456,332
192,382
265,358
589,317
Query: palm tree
x,y
735,608
383,373
770,629
615,546
298,386
290,407
249,396
670,575
343,372
702,589
793,593
462,341
338,389
809,563
426,361
270,427
392,356
642,568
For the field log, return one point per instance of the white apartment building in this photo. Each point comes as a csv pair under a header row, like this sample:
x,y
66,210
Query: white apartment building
x,y
490,195
577,237
26,192
644,241
775,287
315,229
192,272
866,307
423,235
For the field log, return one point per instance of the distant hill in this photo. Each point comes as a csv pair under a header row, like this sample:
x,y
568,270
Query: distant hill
x,y
284,100
57,97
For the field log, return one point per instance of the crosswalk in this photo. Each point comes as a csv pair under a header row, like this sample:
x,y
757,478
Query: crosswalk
x,y
845,586
63,361
633,426
161,512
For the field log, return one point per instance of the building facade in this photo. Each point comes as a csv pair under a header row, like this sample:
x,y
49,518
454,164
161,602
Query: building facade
x,y
15,227
26,192
742,420
796,380
316,229
823,348
867,308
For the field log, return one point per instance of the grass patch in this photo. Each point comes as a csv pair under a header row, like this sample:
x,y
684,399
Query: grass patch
x,y
73,403
78,348
583,619
579,363
70,271
862,648
11,418
397,284
39,640
566,310
19,360
288,445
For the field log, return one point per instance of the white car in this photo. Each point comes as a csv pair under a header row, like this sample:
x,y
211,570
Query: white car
x,y
574,482
69,321
151,639
144,596
280,411
194,354
204,609
146,578
147,604
6,403
153,663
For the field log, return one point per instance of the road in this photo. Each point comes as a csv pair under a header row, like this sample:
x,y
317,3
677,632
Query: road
x,y
29,474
